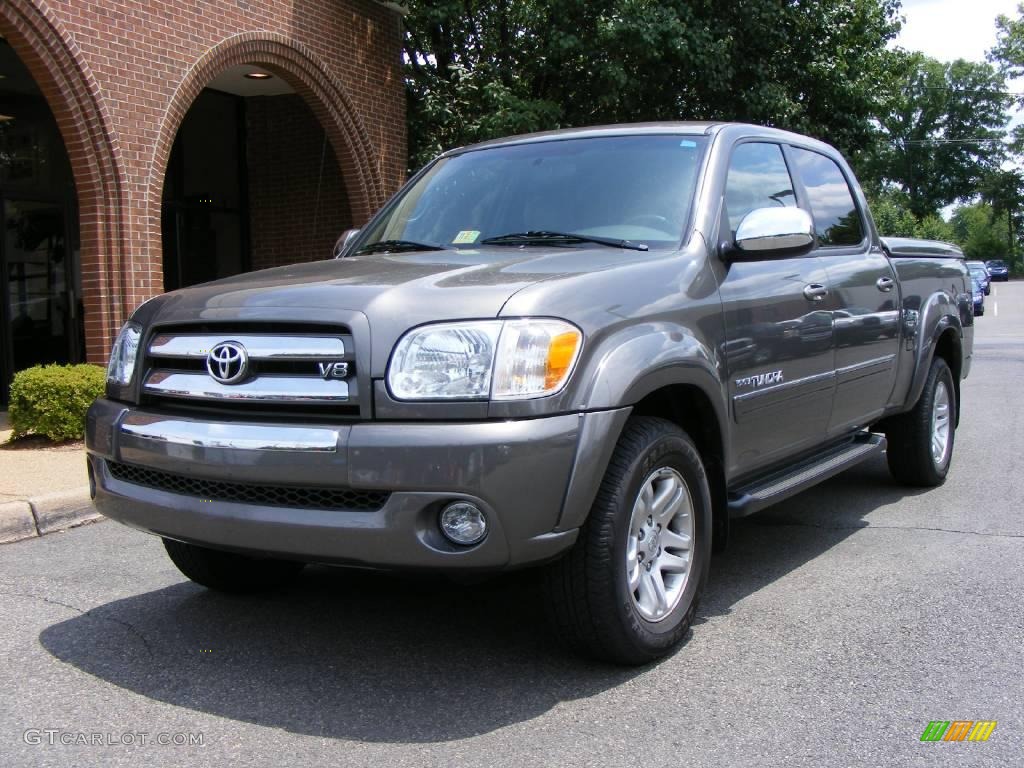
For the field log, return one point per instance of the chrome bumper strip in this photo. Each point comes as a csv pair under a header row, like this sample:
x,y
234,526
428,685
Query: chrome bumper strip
x,y
265,389
242,437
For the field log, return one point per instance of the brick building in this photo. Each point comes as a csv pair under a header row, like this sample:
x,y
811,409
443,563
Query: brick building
x,y
151,144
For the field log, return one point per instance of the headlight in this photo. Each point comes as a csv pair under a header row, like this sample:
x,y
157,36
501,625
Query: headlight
x,y
122,357
496,359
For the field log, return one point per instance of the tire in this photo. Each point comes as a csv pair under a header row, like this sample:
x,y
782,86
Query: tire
x,y
910,454
587,593
230,572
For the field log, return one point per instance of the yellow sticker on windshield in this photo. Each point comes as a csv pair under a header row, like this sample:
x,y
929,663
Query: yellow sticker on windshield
x,y
466,236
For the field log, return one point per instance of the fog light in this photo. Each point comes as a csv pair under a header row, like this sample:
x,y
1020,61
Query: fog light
x,y
463,523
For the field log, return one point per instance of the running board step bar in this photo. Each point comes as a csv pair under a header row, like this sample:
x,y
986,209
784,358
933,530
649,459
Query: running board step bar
x,y
748,499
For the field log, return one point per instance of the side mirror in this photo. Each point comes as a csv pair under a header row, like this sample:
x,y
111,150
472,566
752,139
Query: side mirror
x,y
768,231
342,243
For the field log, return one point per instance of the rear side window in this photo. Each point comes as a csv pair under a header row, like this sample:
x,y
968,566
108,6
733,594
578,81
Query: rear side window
x,y
758,178
836,219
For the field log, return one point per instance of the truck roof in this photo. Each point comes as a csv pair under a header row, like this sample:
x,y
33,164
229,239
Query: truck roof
x,y
705,128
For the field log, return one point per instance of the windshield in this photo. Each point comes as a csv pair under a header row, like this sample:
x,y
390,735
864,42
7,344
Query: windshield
x,y
624,188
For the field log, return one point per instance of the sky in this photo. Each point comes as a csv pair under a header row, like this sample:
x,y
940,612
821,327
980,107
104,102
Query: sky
x,y
952,29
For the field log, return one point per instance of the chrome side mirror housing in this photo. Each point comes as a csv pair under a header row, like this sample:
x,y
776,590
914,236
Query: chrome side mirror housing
x,y
342,243
767,231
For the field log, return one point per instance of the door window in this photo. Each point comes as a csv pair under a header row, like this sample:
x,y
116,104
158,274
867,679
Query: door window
x,y
758,178
836,219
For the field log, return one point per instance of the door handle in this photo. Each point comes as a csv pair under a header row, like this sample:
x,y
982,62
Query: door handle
x,y
885,284
815,292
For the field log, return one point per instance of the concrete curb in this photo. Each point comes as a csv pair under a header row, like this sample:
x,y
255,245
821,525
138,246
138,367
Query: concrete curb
x,y
16,521
40,515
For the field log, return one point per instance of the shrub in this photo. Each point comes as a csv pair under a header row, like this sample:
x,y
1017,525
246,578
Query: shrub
x,y
51,400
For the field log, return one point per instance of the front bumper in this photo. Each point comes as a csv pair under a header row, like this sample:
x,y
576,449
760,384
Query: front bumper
x,y
527,475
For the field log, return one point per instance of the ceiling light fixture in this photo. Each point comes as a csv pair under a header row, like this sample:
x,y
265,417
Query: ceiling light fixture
x,y
258,75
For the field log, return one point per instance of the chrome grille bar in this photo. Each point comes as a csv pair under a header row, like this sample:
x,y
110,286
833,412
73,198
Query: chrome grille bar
x,y
259,346
264,389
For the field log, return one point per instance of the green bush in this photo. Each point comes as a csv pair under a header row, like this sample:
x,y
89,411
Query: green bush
x,y
51,400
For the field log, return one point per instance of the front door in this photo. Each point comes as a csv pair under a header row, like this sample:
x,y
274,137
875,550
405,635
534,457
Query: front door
x,y
779,348
38,308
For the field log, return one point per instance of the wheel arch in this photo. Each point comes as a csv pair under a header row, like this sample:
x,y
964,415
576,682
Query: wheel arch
x,y
693,410
682,394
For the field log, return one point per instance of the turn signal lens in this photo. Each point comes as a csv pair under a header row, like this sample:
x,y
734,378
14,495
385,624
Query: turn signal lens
x,y
535,358
561,355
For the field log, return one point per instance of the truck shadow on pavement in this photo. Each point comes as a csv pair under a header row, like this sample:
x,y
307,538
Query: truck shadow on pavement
x,y
416,659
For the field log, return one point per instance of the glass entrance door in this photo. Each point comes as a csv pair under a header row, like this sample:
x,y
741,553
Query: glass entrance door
x,y
38,303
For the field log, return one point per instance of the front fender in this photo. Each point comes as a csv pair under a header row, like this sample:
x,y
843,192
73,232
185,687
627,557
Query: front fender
x,y
639,360
632,365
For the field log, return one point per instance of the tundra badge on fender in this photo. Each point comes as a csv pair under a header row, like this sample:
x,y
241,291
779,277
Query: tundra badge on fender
x,y
759,380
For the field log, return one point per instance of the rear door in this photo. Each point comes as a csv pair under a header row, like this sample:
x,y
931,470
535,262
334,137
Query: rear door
x,y
778,327
864,296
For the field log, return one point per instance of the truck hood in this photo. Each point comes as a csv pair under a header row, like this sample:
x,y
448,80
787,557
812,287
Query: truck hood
x,y
421,286
393,292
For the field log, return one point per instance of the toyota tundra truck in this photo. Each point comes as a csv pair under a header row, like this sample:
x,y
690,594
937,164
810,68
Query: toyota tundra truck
x,y
584,351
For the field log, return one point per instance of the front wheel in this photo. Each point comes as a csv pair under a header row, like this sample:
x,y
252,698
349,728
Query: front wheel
x,y
628,590
920,442
227,571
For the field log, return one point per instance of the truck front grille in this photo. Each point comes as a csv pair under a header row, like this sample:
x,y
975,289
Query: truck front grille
x,y
341,499
250,367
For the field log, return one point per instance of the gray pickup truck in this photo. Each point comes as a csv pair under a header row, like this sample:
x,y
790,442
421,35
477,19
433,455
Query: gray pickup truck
x,y
584,350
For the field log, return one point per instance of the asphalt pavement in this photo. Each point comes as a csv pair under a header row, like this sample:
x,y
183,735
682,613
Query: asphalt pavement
x,y
837,626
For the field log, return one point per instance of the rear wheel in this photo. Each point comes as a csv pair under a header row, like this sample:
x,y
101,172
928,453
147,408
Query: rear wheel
x,y
628,590
920,442
227,571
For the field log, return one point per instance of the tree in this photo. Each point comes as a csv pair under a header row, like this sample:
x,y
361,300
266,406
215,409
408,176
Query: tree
x,y
893,218
891,212
979,233
478,69
942,133
1004,192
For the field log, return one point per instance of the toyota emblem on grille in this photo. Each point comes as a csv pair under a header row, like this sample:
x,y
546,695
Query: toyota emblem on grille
x,y
228,362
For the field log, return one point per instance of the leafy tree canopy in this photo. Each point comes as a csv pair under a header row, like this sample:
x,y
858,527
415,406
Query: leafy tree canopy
x,y
981,235
891,211
478,69
942,131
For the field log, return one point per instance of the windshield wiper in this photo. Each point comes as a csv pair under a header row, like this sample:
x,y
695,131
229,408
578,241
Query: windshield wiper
x,y
395,246
545,236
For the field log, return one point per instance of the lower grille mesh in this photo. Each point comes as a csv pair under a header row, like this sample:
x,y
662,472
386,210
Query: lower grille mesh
x,y
266,495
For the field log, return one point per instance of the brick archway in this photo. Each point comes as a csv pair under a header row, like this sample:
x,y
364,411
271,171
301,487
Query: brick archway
x,y
302,70
55,62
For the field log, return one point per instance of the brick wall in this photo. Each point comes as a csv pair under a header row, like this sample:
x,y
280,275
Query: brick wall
x,y
120,75
297,200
